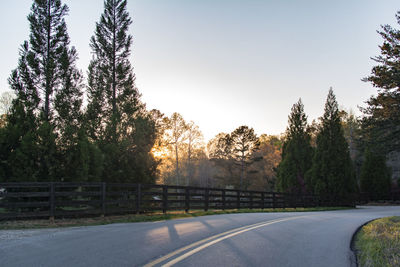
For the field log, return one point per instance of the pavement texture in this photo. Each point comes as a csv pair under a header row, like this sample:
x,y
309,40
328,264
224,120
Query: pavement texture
x,y
253,239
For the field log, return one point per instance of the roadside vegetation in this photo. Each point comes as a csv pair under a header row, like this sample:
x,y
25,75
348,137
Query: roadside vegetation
x,y
150,217
378,243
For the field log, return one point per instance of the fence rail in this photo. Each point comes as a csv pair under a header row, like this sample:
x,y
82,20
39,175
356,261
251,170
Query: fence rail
x,y
56,199
392,197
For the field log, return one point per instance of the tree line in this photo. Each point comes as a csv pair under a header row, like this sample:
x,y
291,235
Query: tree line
x,y
239,159
341,154
58,127
48,134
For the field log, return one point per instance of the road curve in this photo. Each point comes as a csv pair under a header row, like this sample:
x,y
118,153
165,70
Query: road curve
x,y
255,239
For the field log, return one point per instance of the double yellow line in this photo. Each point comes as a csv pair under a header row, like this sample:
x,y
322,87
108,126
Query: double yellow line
x,y
204,243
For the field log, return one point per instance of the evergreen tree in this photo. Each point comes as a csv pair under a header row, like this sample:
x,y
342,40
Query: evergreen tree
x,y
219,152
115,114
382,123
18,138
332,171
113,96
296,153
244,142
48,93
375,176
18,146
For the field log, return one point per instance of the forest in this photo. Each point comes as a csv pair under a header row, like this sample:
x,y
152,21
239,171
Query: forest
x,y
58,126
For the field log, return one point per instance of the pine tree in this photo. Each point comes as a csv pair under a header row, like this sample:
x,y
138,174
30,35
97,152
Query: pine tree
x,y
382,123
48,93
115,114
18,138
18,146
296,153
244,142
113,96
220,154
332,171
375,176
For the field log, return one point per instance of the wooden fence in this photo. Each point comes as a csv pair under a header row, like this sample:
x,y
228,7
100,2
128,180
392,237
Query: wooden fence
x,y
393,197
56,199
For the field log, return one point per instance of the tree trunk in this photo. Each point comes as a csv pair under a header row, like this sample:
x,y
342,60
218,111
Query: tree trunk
x,y
189,176
177,164
47,67
114,85
242,171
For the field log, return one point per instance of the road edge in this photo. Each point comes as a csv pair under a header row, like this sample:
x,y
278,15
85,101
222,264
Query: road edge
x,y
354,251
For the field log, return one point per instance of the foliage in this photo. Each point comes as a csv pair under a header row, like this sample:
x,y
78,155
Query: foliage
x,y
375,176
219,152
45,136
352,131
117,121
378,243
262,173
194,140
18,157
113,96
6,99
44,118
244,142
181,151
233,155
382,121
296,153
332,170
174,135
219,163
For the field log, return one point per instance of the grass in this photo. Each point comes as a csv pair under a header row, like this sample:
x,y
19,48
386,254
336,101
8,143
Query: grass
x,y
378,243
150,217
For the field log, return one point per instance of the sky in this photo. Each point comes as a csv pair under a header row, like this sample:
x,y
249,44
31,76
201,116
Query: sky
x,y
227,63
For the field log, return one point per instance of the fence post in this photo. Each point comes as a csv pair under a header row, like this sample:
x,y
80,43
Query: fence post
x,y
187,199
273,200
238,199
138,197
286,198
103,199
262,200
52,200
223,199
251,200
206,196
165,198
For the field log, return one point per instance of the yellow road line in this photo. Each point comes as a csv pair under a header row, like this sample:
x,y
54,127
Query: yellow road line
x,y
217,238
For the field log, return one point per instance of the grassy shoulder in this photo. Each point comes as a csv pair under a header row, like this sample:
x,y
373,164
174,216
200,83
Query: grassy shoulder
x,y
148,217
378,243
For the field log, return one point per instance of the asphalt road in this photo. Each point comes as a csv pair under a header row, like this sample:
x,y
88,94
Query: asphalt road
x,y
255,239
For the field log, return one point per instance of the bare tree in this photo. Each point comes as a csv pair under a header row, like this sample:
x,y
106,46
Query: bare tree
x,y
194,139
175,135
6,99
